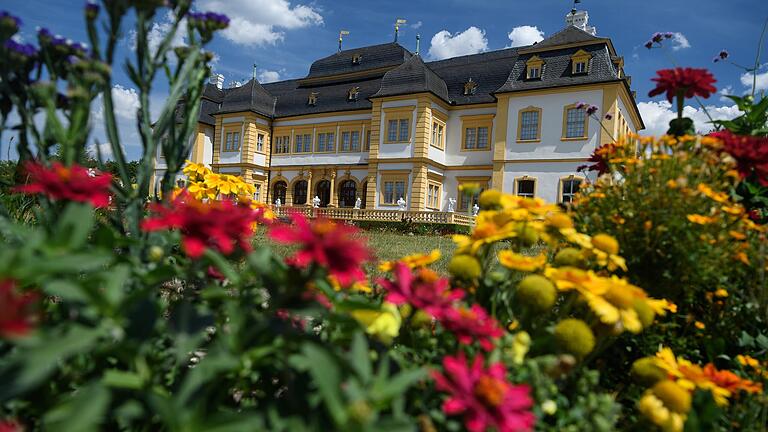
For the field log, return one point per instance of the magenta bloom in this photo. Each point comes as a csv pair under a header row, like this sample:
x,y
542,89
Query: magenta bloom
x,y
423,289
74,183
691,82
484,396
322,242
750,152
17,311
471,324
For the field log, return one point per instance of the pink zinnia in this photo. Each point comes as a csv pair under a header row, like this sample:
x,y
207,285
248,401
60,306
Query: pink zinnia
x,y
471,324
484,396
750,152
326,244
690,81
73,183
423,289
10,426
220,225
17,314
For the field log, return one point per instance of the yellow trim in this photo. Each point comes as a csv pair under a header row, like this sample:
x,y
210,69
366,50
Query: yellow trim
x,y
534,62
520,124
393,177
303,131
500,142
580,56
351,127
476,122
441,137
437,188
399,113
565,125
324,130
233,128
514,161
560,184
535,180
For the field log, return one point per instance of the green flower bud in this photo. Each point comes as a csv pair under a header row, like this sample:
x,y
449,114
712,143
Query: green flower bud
x,y
155,253
536,292
646,372
527,234
490,199
575,337
674,397
569,257
465,267
644,313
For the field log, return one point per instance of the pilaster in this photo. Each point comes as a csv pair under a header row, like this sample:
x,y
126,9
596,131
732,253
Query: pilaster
x,y
500,142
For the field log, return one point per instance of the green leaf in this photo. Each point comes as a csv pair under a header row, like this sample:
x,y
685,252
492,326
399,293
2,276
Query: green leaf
x,y
114,283
397,385
74,225
326,375
223,266
122,379
67,290
83,411
762,341
361,361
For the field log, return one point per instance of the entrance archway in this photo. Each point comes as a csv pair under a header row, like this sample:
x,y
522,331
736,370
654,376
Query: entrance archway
x,y
347,193
278,191
323,191
300,192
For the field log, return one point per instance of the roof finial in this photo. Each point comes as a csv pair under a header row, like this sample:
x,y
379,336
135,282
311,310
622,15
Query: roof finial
x,y
418,43
397,26
254,71
575,2
342,33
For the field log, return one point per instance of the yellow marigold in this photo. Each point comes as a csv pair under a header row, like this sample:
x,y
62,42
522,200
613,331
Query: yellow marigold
x,y
721,292
737,235
734,210
520,262
742,257
710,193
355,287
606,243
671,184
412,261
700,219
654,410
560,220
383,324
195,171
491,227
674,397
690,376
648,225
646,371
746,360
200,191
700,325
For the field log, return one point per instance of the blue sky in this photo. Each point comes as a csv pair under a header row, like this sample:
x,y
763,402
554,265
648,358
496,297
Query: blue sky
x,y
283,37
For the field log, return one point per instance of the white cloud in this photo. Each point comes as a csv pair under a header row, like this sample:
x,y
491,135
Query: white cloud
x,y
679,41
261,22
656,116
761,84
525,35
417,25
470,41
268,76
159,31
727,90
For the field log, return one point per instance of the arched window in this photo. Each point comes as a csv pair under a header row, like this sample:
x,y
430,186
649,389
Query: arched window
x,y
278,191
300,192
324,192
347,193
364,194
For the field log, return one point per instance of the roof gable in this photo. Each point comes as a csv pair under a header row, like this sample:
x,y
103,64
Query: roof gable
x,y
371,58
413,76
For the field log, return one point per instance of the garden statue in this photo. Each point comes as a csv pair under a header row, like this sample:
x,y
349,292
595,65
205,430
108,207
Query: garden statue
x,y
358,203
401,204
278,203
451,205
316,202
475,209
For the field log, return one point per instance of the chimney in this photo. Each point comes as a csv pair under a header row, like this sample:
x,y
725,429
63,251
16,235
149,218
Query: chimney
x,y
217,80
580,19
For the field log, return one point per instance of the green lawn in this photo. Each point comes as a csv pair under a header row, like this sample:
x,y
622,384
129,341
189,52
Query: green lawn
x,y
389,246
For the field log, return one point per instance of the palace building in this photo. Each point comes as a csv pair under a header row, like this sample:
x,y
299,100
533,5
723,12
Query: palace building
x,y
380,123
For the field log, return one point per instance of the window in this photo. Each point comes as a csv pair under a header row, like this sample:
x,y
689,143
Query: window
x,y
433,195
575,122
534,67
580,62
357,59
398,126
525,187
282,145
477,132
438,134
257,193
232,142
393,187
529,124
470,87
534,72
312,99
350,141
260,143
353,93
303,143
300,192
278,192
367,140
325,142
466,201
569,187
580,67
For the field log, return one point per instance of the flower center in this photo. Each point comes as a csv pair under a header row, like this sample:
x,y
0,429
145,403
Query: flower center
x,y
620,297
490,390
64,173
322,227
467,314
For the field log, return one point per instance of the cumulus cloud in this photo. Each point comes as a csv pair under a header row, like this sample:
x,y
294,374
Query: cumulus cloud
x,y
679,41
159,31
657,115
470,41
262,22
525,35
268,76
747,80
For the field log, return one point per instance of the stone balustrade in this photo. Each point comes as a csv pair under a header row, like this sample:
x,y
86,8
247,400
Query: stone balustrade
x,y
349,214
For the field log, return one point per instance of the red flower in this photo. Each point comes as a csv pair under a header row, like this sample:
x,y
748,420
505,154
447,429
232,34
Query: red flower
x,y
10,426
599,159
484,396
324,243
221,225
423,289
750,152
471,324
17,315
74,183
692,82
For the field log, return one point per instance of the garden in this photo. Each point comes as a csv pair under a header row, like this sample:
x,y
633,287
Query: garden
x,y
641,306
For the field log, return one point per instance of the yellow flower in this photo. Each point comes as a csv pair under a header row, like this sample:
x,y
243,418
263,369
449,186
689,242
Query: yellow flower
x,y
465,267
734,210
700,219
655,409
412,261
737,235
520,262
708,192
199,190
219,182
742,257
355,287
549,407
606,243
700,325
195,171
491,227
536,292
383,324
521,343
720,292
746,360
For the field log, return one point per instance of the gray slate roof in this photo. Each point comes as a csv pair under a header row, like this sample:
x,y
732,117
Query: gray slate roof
x,y
394,71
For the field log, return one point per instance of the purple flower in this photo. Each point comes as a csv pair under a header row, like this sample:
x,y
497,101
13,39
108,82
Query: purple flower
x,y
24,50
609,116
669,35
6,19
723,54
649,44
592,109
209,20
657,37
91,10
581,105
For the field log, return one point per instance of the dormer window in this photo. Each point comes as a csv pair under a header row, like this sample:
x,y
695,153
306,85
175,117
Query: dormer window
x,y
534,67
357,59
312,100
580,62
470,87
353,94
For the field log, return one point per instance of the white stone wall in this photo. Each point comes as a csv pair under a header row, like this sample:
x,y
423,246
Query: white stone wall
x,y
546,174
454,156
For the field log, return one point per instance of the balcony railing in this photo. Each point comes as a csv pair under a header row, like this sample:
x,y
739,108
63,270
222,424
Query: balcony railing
x,y
349,214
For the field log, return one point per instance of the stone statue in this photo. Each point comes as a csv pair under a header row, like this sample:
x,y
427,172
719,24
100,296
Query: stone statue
x,y
475,210
358,203
401,204
451,205
316,202
278,203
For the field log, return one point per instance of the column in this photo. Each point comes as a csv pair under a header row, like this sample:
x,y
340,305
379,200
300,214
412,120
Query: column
x,y
334,196
309,188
